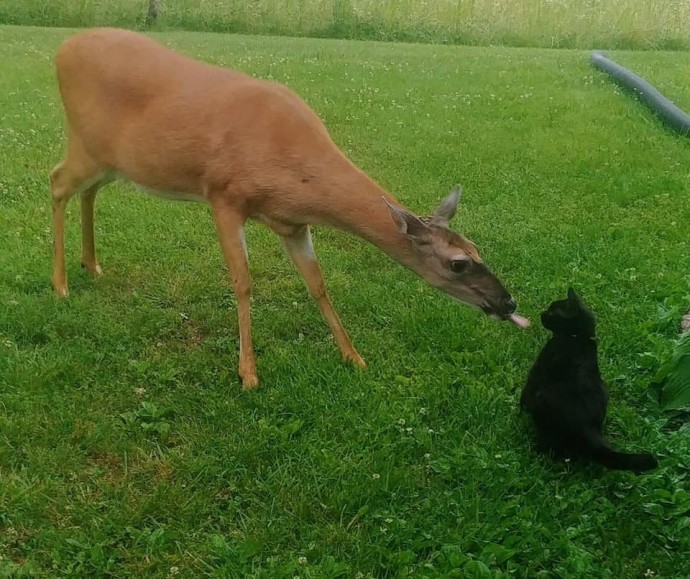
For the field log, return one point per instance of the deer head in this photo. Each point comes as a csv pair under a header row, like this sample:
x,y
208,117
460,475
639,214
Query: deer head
x,y
450,262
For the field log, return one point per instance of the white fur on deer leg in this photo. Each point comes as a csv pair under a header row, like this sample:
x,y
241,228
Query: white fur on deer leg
x,y
243,240
301,245
304,245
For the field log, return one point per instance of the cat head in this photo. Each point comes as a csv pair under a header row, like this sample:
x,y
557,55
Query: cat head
x,y
569,316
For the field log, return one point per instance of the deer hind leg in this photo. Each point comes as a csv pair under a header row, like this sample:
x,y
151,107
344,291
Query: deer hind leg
x,y
299,246
230,227
88,243
77,173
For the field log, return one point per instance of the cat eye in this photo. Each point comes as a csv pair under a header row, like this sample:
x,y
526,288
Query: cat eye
x,y
459,265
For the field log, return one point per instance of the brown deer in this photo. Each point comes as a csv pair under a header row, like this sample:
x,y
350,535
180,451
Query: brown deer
x,y
182,129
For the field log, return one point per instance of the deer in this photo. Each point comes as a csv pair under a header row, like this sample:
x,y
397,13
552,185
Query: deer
x,y
249,148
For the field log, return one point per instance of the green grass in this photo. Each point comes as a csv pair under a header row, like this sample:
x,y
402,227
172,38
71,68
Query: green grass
x,y
127,447
647,24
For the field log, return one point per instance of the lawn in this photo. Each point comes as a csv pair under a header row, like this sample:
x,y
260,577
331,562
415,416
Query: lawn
x,y
127,447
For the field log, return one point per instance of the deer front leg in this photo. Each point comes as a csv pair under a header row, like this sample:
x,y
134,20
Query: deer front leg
x,y
299,246
230,227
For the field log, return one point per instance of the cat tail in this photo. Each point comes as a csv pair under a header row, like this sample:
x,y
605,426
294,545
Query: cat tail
x,y
606,456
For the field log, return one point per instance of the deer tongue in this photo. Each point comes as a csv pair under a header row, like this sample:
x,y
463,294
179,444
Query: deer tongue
x,y
519,321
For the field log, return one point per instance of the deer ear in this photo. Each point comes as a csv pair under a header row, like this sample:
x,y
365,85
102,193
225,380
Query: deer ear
x,y
447,208
409,224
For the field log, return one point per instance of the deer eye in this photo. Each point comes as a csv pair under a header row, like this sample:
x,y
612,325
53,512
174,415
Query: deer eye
x,y
459,265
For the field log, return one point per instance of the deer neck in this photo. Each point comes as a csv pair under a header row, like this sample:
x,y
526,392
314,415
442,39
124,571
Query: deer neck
x,y
355,203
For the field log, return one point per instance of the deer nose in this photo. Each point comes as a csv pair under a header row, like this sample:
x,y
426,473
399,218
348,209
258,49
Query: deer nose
x,y
511,305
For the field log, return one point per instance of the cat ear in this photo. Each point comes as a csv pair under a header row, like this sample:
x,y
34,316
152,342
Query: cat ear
x,y
572,296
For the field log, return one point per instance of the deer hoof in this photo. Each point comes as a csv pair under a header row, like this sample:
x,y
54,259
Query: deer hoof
x,y
61,290
356,359
249,382
94,269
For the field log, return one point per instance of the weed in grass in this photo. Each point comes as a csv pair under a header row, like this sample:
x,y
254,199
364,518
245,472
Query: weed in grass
x,y
418,465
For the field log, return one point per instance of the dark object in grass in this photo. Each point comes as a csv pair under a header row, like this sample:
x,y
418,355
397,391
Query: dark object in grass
x,y
565,394
152,13
675,118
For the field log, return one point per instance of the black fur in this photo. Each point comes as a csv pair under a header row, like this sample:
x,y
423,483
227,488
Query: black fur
x,y
565,394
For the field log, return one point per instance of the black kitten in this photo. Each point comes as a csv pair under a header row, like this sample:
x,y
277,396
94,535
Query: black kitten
x,y
565,394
